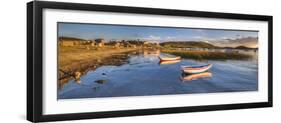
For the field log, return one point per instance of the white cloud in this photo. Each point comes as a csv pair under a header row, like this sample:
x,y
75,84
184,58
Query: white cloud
x,y
170,37
152,37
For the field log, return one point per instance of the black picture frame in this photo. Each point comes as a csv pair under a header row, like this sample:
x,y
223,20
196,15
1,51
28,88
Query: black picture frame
x,y
35,69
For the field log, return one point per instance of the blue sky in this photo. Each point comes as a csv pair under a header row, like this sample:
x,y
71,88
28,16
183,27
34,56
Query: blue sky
x,y
121,32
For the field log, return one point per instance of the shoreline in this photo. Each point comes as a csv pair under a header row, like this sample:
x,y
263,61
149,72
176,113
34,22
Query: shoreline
x,y
73,64
207,55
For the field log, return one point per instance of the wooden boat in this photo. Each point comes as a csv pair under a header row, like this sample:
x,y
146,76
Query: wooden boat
x,y
169,62
196,69
196,76
169,58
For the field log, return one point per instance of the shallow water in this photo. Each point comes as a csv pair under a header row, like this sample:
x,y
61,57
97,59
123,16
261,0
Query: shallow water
x,y
143,76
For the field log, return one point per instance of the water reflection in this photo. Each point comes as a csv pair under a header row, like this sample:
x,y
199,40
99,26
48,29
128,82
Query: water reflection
x,y
151,52
101,81
189,77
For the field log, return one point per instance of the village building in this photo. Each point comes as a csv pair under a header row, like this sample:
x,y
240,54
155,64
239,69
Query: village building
x,y
100,42
88,43
70,41
117,44
149,44
92,43
114,43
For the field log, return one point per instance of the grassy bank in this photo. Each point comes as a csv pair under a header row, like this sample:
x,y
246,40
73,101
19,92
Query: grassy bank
x,y
83,58
205,55
70,55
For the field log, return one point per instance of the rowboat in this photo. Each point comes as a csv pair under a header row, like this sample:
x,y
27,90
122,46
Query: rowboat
x,y
196,69
169,58
169,62
196,76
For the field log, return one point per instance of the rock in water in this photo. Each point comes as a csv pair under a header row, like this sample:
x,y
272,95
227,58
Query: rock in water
x,y
77,76
100,81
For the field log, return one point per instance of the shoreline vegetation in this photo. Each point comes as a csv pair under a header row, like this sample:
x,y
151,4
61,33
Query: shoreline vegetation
x,y
77,56
206,55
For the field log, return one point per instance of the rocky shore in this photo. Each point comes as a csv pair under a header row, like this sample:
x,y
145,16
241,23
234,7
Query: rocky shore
x,y
70,68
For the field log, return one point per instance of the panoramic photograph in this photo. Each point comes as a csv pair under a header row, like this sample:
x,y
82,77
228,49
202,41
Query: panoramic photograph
x,y
106,60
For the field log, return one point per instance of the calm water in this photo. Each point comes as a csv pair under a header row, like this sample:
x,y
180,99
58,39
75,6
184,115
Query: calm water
x,y
143,75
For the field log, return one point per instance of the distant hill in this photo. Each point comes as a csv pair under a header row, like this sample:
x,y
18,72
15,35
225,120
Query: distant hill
x,y
244,47
227,47
71,39
188,44
250,42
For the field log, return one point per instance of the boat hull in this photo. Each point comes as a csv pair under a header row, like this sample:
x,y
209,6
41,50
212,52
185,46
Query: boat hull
x,y
169,58
196,69
169,62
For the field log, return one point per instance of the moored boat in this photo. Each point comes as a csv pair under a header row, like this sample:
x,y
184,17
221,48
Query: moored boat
x,y
169,62
196,69
169,58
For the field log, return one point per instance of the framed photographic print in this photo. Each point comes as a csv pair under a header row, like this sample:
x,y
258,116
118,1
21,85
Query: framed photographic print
x,y
96,61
